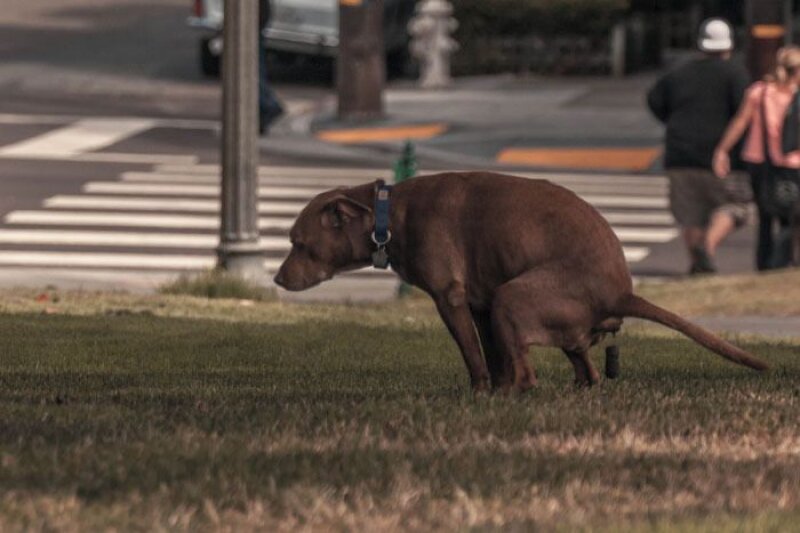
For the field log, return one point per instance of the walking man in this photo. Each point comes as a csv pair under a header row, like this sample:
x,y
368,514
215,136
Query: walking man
x,y
695,102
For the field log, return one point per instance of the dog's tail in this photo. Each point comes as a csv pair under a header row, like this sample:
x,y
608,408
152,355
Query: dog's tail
x,y
637,307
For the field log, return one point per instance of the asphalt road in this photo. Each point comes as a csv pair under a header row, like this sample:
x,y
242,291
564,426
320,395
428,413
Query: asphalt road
x,y
93,92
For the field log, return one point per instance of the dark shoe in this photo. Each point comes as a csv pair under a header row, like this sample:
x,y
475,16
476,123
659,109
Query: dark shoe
x,y
701,262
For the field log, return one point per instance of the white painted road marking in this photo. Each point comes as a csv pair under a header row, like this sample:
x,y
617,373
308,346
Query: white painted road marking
x,y
626,201
649,218
125,239
82,136
163,261
214,179
366,174
319,185
172,189
159,204
648,235
355,175
83,259
179,197
285,207
132,220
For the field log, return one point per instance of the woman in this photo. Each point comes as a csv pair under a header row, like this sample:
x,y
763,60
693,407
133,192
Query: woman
x,y
771,97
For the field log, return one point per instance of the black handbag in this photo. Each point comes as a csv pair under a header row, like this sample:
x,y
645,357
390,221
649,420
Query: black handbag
x,y
779,190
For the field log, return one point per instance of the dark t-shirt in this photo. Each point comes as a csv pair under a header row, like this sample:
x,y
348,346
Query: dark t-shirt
x,y
696,102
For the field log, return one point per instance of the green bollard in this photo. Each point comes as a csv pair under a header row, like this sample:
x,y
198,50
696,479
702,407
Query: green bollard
x,y
405,168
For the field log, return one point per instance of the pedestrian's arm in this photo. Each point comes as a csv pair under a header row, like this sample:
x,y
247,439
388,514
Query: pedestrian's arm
x,y
658,100
734,132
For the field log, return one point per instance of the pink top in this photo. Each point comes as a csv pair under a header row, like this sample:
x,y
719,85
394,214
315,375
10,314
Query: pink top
x,y
777,104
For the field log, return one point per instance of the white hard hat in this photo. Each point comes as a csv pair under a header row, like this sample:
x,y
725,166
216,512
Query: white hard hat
x,y
716,35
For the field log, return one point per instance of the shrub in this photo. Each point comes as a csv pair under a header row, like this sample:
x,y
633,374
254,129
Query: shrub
x,y
507,18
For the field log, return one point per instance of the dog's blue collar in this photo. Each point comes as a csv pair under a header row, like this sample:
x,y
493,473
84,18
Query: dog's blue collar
x,y
381,235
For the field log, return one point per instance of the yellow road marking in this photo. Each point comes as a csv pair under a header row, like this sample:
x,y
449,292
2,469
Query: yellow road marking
x,y
392,133
582,158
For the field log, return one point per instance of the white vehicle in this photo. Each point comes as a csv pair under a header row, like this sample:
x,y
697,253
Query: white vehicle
x,y
301,27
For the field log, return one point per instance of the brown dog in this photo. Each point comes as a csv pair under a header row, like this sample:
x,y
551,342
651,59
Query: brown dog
x,y
509,262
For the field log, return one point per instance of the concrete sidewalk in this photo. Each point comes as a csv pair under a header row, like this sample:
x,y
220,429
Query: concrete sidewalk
x,y
504,121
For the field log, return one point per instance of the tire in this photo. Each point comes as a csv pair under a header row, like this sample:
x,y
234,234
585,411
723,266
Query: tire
x,y
209,63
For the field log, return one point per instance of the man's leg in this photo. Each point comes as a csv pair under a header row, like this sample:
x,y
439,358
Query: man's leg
x,y
693,236
728,200
722,224
686,204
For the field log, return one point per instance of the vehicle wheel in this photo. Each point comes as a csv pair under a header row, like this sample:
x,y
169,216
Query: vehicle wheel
x,y
209,63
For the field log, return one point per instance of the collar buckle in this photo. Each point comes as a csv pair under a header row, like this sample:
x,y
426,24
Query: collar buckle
x,y
381,235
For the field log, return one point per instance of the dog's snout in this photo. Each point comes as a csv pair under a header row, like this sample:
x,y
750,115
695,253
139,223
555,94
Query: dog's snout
x,y
279,279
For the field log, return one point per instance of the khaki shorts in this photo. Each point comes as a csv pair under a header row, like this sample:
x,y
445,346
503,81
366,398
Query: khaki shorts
x,y
696,194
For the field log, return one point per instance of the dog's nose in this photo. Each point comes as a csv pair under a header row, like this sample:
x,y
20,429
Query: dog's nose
x,y
279,279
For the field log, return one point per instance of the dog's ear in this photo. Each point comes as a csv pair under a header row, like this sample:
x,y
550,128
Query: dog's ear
x,y
341,210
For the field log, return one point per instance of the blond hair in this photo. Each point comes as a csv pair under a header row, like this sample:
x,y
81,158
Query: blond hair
x,y
787,64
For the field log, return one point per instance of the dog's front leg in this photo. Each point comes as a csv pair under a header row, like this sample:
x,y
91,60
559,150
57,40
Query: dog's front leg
x,y
500,369
456,315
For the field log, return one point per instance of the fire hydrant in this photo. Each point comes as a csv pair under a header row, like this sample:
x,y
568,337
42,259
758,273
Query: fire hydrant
x,y
431,41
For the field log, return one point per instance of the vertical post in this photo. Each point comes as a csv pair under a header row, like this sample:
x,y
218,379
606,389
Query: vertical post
x,y
239,250
361,66
766,26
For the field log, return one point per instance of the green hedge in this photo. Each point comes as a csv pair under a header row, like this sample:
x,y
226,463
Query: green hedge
x,y
509,18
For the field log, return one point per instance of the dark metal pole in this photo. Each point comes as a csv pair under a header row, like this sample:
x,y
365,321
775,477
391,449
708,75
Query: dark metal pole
x,y
767,31
361,66
239,250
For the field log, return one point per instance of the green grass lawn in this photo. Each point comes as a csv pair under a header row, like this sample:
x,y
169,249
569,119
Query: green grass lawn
x,y
166,412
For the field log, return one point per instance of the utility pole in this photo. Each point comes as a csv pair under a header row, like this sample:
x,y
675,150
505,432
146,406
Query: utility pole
x,y
239,250
767,24
361,65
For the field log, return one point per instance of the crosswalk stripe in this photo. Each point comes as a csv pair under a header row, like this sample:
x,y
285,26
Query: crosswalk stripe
x,y
356,175
608,179
650,218
214,179
646,235
185,197
126,260
159,204
320,185
79,137
141,220
125,239
168,261
365,174
193,240
285,207
635,254
171,189
61,218
626,201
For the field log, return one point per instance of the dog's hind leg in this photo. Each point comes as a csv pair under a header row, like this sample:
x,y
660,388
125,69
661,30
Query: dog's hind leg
x,y
527,311
585,372
500,372
509,328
